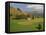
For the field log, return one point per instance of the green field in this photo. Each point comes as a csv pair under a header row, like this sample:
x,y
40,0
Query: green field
x,y
25,25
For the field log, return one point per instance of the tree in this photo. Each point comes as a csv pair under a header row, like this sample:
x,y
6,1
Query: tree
x,y
10,14
19,9
32,17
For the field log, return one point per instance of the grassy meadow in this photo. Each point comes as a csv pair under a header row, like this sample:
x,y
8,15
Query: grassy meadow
x,y
25,25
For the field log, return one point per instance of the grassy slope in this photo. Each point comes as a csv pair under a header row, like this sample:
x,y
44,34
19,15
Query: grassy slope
x,y
25,25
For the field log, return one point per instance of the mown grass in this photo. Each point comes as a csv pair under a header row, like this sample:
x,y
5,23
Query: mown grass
x,y
25,25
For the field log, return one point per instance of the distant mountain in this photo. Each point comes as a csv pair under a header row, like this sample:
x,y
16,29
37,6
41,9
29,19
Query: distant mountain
x,y
13,10
16,11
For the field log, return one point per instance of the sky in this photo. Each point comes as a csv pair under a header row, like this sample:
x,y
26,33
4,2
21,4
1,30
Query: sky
x,y
28,7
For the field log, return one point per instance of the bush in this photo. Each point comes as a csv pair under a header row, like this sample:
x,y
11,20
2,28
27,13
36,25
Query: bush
x,y
39,27
10,14
32,17
20,17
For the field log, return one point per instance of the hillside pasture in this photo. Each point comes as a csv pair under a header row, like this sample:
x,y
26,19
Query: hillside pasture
x,y
25,25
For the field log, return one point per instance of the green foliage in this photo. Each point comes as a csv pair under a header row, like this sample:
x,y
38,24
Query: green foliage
x,y
39,27
10,14
28,15
20,16
32,17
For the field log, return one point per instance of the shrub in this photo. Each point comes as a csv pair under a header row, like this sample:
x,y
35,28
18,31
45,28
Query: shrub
x,y
32,17
39,27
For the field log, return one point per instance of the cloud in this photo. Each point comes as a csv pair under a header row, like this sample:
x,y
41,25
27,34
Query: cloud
x,y
29,6
35,6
